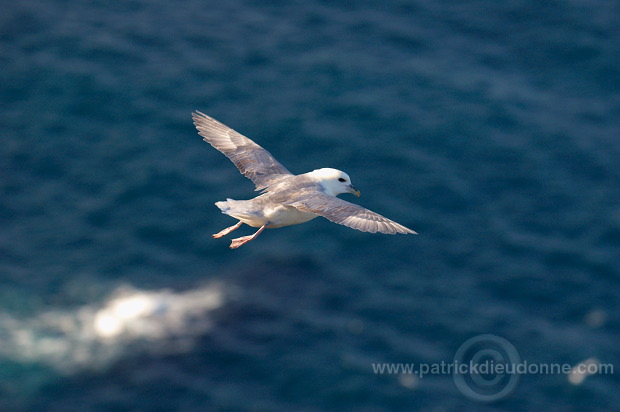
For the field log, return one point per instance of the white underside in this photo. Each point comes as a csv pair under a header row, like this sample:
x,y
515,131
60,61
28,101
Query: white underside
x,y
277,216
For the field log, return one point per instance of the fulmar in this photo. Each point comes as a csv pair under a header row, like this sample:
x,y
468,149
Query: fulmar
x,y
285,199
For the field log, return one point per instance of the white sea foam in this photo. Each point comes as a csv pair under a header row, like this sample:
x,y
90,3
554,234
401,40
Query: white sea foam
x,y
94,336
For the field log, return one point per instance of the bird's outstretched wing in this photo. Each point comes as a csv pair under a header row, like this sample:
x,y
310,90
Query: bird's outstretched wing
x,y
256,163
348,214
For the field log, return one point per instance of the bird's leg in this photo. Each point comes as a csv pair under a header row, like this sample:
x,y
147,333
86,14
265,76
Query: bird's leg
x,y
227,230
240,241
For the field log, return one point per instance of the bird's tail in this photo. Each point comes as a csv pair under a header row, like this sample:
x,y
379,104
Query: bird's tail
x,y
225,205
240,209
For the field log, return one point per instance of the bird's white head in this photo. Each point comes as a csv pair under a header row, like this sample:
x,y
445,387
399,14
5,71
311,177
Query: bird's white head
x,y
334,181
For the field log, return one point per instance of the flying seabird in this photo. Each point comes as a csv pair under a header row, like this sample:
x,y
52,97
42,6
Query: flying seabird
x,y
285,199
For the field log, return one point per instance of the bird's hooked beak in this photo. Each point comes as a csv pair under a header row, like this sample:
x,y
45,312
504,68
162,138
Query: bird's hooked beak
x,y
353,190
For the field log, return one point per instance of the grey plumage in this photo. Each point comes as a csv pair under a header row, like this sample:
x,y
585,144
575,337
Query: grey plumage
x,y
347,214
254,162
296,198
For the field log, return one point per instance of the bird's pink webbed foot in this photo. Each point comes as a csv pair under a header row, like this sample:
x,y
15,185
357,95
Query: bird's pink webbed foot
x,y
227,230
240,241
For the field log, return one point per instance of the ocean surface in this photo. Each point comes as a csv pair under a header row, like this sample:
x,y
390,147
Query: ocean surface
x,y
492,128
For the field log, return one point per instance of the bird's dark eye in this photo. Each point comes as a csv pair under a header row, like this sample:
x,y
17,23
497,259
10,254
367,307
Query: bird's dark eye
x,y
342,179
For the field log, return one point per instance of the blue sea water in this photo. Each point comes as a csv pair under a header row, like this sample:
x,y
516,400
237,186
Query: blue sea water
x,y
491,128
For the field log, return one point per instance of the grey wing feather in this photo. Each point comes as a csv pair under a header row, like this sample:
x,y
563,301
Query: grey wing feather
x,y
348,214
256,163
